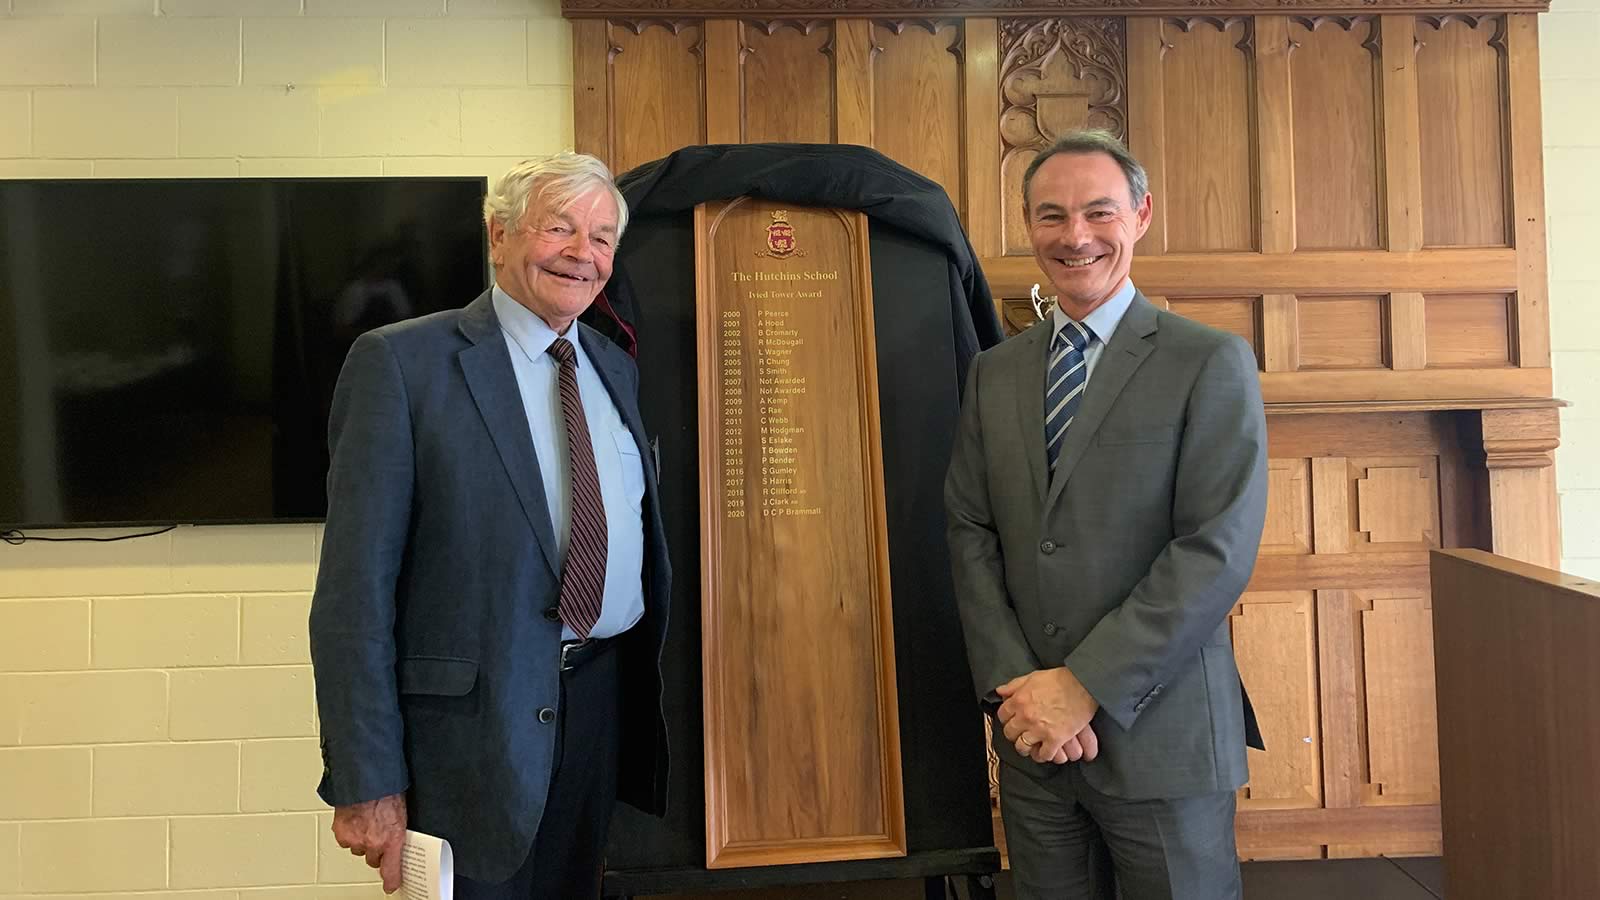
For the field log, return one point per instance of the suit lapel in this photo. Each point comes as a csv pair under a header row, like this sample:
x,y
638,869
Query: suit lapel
x,y
1118,361
493,384
1029,391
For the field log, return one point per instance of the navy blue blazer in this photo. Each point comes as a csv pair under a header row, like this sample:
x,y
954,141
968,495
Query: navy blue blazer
x,y
432,635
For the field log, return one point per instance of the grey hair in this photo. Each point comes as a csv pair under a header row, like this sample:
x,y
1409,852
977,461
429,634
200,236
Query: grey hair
x,y
1092,141
554,181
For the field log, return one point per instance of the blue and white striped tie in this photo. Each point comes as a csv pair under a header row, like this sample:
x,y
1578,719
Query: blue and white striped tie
x,y
1064,382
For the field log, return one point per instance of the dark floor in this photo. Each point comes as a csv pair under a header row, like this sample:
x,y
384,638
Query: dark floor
x,y
1416,878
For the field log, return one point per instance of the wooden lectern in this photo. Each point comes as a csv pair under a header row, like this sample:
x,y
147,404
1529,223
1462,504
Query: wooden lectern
x,y
1517,656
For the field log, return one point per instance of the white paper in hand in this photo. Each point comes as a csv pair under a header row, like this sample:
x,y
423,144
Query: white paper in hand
x,y
427,869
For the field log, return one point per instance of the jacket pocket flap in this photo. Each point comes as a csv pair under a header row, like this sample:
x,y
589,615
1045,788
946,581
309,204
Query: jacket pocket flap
x,y
1140,434
442,676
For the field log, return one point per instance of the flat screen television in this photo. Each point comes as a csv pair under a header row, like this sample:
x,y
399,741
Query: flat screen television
x,y
169,348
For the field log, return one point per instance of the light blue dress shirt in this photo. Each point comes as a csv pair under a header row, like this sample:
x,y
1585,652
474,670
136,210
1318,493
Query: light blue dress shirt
x,y
616,459
1103,322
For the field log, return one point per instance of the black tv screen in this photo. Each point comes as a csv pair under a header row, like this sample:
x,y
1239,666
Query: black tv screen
x,y
169,348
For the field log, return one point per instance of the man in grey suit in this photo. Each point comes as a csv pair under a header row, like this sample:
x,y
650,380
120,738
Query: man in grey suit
x,y
492,598
1106,497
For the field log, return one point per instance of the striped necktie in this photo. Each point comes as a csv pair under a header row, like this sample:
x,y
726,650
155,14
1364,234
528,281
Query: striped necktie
x,y
583,572
1065,379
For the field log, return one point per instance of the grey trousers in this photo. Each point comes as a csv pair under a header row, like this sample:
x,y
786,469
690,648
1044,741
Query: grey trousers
x,y
1068,841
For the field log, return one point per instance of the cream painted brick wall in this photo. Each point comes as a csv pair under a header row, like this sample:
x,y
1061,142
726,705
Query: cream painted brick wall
x,y
47,51
280,776
392,122
146,50
166,779
10,855
272,629
165,632
166,168
244,850
94,855
1572,190
240,702
44,635
45,783
458,51
16,123
313,51
92,707
133,122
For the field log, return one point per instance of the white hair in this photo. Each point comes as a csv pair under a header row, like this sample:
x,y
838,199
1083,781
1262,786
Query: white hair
x,y
554,182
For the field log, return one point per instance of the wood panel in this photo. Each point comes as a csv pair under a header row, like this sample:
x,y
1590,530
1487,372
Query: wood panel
x,y
1207,90
1147,115
1469,330
1461,103
983,211
1288,524
1056,75
1402,135
790,362
1335,74
1401,721
1239,315
1274,639
1434,271
1341,332
854,96
1358,192
1276,190
786,85
1527,194
917,89
655,87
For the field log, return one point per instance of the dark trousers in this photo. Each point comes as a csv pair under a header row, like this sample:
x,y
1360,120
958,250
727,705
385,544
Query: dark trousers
x,y
1069,841
567,854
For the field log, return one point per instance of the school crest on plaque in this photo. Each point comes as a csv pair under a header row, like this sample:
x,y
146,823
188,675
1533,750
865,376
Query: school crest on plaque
x,y
781,241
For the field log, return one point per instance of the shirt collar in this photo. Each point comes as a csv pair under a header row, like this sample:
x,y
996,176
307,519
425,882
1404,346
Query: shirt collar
x,y
530,332
1105,318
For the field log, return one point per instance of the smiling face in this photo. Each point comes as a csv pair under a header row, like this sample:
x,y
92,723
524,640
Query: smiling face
x,y
1083,225
554,262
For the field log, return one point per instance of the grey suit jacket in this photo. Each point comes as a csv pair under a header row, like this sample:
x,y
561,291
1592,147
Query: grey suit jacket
x,y
1123,566
433,635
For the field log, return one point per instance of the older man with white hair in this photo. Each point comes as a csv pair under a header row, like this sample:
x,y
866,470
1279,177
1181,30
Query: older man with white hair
x,y
492,599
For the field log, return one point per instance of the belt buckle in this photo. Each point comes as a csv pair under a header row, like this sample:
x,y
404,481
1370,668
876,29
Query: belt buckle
x,y
567,650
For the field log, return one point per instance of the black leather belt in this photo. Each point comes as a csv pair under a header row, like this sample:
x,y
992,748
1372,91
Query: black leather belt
x,y
576,653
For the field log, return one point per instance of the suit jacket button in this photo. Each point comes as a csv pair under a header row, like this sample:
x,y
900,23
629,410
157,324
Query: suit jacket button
x,y
552,614
547,715
1047,546
1049,629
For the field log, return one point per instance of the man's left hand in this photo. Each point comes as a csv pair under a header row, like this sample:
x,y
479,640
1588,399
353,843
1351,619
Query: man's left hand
x,y
1044,710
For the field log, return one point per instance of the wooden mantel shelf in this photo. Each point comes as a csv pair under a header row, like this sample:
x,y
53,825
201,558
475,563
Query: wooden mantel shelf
x,y
1403,406
779,9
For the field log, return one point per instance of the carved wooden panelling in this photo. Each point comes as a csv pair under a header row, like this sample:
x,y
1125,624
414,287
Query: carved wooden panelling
x,y
1340,332
1288,528
916,90
1397,502
1471,330
1274,639
1240,315
1333,69
1401,716
1056,75
1207,87
655,89
1461,77
786,83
